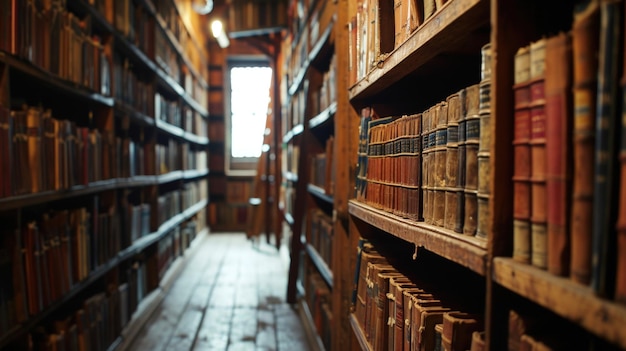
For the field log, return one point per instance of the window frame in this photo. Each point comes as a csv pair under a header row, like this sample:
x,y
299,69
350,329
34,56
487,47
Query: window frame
x,y
239,166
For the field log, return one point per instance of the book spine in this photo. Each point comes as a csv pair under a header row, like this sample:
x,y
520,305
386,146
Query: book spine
x,y
460,184
440,153
452,161
484,111
538,154
585,34
620,283
558,150
604,209
426,172
521,158
457,330
472,139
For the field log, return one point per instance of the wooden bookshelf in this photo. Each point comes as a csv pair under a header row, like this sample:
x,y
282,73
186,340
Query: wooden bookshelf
x,y
572,301
86,98
320,265
465,250
320,193
360,335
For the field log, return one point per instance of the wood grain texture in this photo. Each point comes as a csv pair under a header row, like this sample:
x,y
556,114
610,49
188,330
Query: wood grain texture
x,y
467,251
572,301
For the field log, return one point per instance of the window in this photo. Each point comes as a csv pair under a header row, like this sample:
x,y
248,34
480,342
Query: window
x,y
248,86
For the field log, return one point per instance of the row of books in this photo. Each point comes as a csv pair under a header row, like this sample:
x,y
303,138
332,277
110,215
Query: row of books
x,y
41,153
133,21
172,203
166,57
130,88
100,318
381,26
318,299
297,109
57,41
322,97
400,312
47,256
291,154
568,176
320,234
425,166
167,110
323,169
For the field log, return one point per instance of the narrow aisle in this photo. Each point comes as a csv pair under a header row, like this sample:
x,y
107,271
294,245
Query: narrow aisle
x,y
230,296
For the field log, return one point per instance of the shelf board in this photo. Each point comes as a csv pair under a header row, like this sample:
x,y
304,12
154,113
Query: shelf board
x,y
467,251
290,176
134,115
254,32
320,264
194,174
323,40
289,219
358,332
453,22
320,193
324,118
195,105
66,87
196,139
570,300
170,177
25,200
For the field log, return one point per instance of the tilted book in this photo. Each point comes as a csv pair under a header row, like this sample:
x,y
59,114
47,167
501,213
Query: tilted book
x,y
484,145
472,139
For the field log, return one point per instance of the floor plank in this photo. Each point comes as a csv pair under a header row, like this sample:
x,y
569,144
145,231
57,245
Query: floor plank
x,y
229,297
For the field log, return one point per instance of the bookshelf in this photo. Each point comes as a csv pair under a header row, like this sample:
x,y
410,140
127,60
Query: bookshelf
x,y
420,75
105,192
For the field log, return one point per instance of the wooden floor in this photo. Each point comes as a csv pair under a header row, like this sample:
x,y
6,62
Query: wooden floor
x,y
230,296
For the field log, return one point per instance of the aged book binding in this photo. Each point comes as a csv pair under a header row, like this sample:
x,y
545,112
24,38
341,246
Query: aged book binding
x,y
603,256
484,111
585,34
460,185
558,150
440,153
472,139
620,283
538,153
457,330
452,161
521,157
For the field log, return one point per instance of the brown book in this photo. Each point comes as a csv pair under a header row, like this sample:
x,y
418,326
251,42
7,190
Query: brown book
x,y
452,161
440,153
558,112
585,34
472,139
518,326
438,337
538,154
460,185
430,314
521,157
458,328
34,132
426,165
408,296
484,176
6,134
620,277
382,273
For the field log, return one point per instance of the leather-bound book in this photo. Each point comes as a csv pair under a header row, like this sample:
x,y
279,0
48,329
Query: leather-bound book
x,y
521,157
458,328
478,341
558,150
585,34
452,160
484,111
440,153
538,154
426,165
34,133
603,255
472,139
460,185
620,280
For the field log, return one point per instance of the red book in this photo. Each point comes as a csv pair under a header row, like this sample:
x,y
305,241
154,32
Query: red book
x,y
558,151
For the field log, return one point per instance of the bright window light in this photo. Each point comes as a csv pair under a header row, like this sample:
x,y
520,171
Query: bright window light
x,y
250,98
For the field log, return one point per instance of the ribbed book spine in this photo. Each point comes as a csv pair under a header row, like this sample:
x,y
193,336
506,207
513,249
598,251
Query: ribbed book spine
x,y
558,150
472,139
484,111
